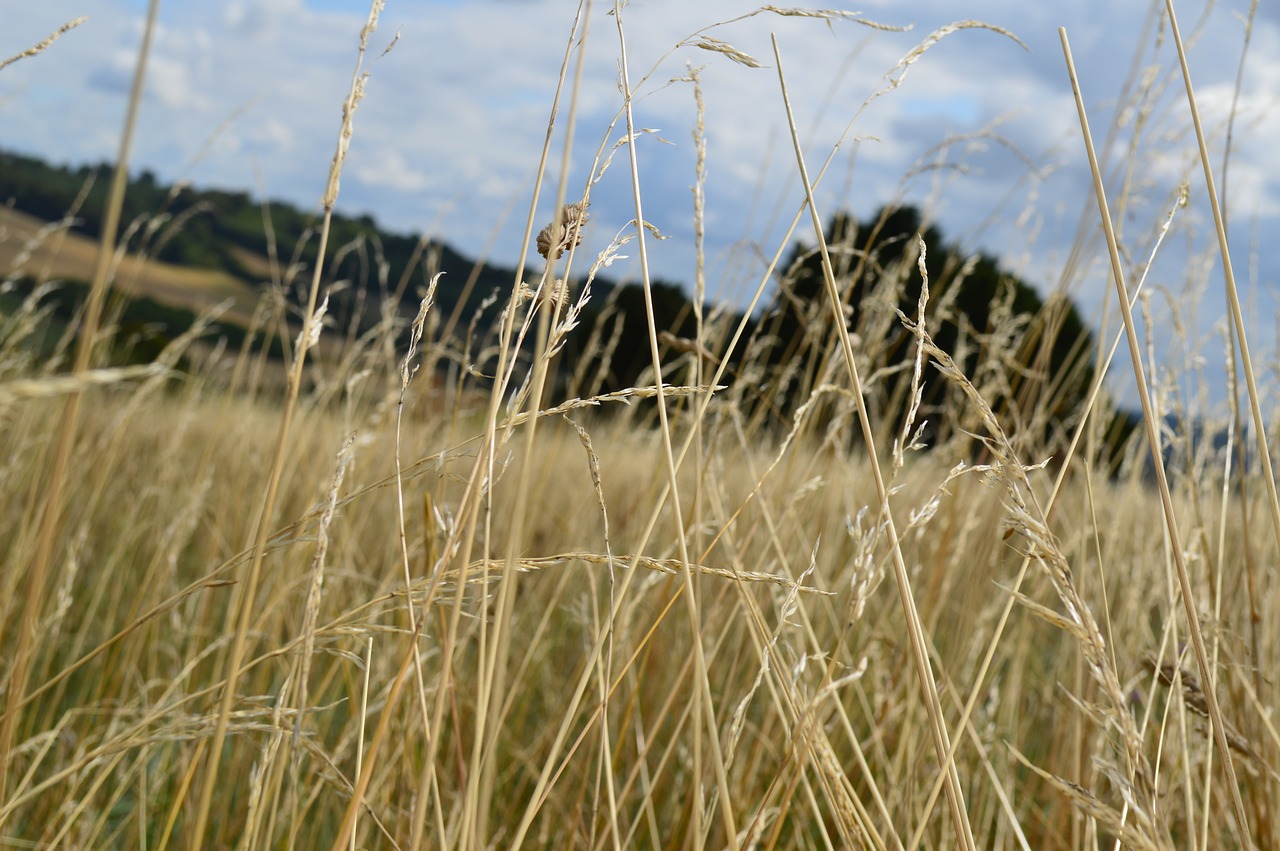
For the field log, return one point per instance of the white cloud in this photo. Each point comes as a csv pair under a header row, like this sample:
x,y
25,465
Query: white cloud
x,y
387,168
169,80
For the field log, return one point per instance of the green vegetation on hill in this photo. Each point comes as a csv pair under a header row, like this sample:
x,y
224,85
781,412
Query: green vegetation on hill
x,y
1031,359
217,228
977,311
139,328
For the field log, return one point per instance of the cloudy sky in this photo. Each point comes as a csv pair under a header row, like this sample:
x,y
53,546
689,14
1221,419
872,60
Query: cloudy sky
x,y
981,131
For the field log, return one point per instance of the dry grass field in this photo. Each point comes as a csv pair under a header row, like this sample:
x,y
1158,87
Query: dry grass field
x,y
415,597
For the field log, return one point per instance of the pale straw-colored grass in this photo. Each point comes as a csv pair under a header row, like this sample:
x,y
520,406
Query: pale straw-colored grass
x,y
423,585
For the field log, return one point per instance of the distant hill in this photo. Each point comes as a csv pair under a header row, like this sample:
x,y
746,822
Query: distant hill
x,y
205,245
228,234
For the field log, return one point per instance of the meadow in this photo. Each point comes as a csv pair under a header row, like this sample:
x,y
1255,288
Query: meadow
x,y
423,585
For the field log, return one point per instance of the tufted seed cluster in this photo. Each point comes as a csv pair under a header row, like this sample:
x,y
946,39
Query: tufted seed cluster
x,y
568,225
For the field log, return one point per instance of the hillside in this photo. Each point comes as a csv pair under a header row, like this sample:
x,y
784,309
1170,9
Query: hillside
x,y
43,251
207,245
222,240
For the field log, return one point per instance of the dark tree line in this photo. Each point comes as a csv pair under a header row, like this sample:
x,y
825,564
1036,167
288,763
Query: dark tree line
x,y
1031,359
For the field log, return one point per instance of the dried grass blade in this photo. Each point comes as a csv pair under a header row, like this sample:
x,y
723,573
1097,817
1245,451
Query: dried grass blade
x,y
1149,420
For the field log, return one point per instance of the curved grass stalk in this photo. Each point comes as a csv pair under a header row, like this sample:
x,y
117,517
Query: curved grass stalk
x,y
1166,499
51,515
247,590
919,651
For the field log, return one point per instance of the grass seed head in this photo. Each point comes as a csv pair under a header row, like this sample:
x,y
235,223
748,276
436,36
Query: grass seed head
x,y
555,294
569,225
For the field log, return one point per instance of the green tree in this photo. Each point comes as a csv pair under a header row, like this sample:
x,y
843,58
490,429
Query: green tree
x,y
1029,357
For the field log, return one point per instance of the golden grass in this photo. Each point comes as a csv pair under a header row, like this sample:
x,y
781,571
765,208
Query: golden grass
x,y
152,544
397,605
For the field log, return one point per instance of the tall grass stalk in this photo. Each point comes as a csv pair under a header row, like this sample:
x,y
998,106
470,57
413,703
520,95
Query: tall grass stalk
x,y
703,705
1150,420
370,594
919,641
1229,281
51,498
310,334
